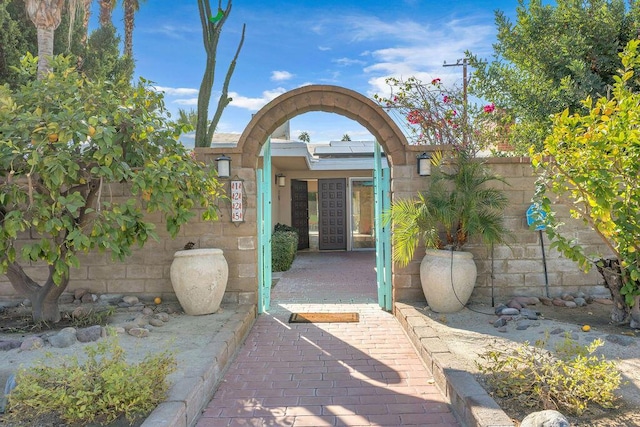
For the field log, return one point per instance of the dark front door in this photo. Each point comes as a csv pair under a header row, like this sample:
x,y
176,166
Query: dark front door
x,y
332,207
300,211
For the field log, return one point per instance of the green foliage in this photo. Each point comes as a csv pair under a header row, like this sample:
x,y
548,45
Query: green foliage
x,y
570,381
592,161
284,246
304,137
94,316
552,57
458,203
100,390
102,59
65,141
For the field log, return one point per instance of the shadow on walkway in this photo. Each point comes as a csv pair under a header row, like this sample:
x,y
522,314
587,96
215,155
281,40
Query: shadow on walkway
x,y
327,374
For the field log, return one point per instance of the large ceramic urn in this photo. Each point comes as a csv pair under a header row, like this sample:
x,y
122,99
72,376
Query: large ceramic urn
x,y
448,279
199,279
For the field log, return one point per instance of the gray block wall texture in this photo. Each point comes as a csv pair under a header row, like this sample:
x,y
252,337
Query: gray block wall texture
x,y
516,269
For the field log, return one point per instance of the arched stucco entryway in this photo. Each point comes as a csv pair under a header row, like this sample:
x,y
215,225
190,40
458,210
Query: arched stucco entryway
x,y
240,241
326,98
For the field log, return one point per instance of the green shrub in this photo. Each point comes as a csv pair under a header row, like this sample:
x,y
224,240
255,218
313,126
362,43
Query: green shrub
x,y
101,390
284,227
284,245
536,378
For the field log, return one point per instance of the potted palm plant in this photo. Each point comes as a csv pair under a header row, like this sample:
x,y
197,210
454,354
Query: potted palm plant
x,y
458,206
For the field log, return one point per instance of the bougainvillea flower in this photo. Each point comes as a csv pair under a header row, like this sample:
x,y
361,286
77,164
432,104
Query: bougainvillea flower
x,y
414,117
435,81
489,108
446,99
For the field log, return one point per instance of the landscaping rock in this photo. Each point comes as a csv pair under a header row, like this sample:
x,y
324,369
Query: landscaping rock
x,y
89,298
66,299
529,314
620,339
604,301
162,316
7,345
500,322
514,304
499,308
559,302
138,332
32,343
521,325
570,304
548,418
567,297
130,299
80,312
79,293
156,322
546,301
147,311
64,338
90,334
510,312
580,302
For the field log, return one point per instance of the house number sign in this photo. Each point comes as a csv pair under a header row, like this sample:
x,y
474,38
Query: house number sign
x,y
237,208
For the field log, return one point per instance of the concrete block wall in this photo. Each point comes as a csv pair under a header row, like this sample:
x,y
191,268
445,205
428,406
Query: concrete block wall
x,y
514,269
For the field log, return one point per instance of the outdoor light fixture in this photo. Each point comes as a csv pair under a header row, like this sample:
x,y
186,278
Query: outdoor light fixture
x,y
424,164
280,180
224,166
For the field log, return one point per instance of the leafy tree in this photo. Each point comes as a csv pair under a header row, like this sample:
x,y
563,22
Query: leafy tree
x,y
592,161
211,30
304,137
346,137
551,58
63,141
103,60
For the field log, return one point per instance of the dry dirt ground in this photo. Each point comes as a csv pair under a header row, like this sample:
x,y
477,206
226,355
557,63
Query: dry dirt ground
x,y
470,333
182,335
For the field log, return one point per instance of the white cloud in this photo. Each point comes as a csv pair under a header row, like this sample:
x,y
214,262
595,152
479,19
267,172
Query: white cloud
x,y
324,48
254,104
172,31
346,62
176,91
278,76
186,101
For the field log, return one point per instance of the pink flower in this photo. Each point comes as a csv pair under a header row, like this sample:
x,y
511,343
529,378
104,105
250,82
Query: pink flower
x,y
435,81
395,99
446,99
489,108
414,117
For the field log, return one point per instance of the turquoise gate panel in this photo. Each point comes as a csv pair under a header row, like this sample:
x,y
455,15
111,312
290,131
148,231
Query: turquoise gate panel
x,y
382,186
263,179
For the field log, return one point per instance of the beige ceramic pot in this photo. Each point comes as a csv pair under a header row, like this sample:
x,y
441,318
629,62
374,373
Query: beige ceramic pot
x,y
448,279
199,279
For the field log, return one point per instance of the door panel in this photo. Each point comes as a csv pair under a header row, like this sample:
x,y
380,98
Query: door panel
x,y
332,207
300,211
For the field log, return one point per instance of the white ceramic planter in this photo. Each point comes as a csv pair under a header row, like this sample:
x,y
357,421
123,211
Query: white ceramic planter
x,y
199,279
448,279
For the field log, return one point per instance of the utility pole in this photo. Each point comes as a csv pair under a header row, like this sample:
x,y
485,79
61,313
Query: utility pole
x,y
462,63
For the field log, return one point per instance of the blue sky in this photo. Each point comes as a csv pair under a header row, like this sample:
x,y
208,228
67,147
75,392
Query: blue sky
x,y
291,43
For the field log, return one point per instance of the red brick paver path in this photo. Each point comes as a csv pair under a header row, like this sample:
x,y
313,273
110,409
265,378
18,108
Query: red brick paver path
x,y
332,374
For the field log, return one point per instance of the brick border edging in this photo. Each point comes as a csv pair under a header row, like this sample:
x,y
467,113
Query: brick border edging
x,y
190,395
471,404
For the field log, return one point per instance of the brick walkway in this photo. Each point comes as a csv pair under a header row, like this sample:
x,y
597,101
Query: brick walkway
x,y
331,374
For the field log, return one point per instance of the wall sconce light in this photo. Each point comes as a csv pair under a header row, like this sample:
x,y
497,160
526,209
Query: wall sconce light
x,y
424,164
224,166
280,180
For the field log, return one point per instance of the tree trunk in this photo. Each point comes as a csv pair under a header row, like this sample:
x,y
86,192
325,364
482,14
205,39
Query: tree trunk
x,y
44,299
612,274
45,50
129,13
